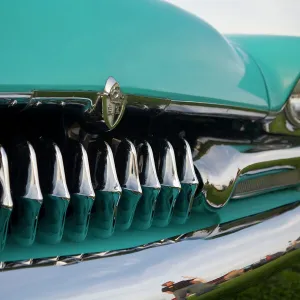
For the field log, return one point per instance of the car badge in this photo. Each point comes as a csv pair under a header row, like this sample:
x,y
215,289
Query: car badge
x,y
113,103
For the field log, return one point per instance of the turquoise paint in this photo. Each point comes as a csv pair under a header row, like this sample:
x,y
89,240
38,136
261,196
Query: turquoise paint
x,y
123,239
151,47
279,60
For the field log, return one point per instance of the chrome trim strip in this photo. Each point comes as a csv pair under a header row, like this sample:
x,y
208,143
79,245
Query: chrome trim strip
x,y
191,263
220,167
92,102
205,109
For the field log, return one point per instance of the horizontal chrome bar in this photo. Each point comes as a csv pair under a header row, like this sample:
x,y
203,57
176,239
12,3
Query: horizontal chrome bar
x,y
221,166
170,270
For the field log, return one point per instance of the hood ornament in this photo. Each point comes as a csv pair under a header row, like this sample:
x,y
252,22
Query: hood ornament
x,y
113,103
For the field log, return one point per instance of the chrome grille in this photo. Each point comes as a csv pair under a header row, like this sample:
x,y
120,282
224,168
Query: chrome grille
x,y
71,191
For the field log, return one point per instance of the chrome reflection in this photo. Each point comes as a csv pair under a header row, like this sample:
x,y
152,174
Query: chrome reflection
x,y
55,192
6,203
188,180
26,191
150,186
174,269
81,190
222,166
127,169
107,188
287,120
170,185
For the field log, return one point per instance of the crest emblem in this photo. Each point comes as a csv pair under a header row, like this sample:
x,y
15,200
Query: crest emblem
x,y
113,103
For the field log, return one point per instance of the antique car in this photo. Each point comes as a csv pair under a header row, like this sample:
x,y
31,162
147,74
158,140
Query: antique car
x,y
144,155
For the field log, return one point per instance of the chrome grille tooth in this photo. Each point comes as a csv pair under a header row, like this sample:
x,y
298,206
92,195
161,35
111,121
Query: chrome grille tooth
x,y
188,179
54,189
170,184
27,196
81,190
107,188
6,203
150,186
127,170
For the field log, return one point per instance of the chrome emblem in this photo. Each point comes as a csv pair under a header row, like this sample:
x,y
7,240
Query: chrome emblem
x,y
113,103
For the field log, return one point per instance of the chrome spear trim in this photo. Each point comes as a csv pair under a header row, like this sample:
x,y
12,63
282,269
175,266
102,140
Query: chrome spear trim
x,y
188,180
6,203
106,186
55,192
26,191
127,169
170,184
150,186
82,193
222,166
6,200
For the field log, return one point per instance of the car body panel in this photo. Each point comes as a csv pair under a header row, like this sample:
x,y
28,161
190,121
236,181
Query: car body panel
x,y
186,59
279,60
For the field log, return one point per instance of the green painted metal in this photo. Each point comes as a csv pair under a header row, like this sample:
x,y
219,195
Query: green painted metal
x,y
151,47
279,60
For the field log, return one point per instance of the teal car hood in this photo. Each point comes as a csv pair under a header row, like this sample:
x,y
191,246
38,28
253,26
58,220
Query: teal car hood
x,y
151,47
279,60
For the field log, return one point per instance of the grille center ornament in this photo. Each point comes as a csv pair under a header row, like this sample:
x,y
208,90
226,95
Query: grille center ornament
x,y
113,103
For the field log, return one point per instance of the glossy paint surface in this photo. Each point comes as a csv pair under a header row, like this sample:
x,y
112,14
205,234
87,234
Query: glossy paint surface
x,y
191,265
67,46
278,58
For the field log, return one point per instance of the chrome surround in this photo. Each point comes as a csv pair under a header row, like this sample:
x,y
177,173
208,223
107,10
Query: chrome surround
x,y
214,110
170,185
6,200
287,120
150,186
221,166
107,188
127,169
198,266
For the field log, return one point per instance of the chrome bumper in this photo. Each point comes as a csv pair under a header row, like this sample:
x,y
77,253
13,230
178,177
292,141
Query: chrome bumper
x,y
170,270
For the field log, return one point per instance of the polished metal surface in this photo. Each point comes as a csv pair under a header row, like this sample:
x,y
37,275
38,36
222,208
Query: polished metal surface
x,y
82,196
107,188
26,191
174,269
6,200
105,109
287,120
204,109
128,173
254,186
150,186
55,192
170,185
188,180
221,166
113,103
